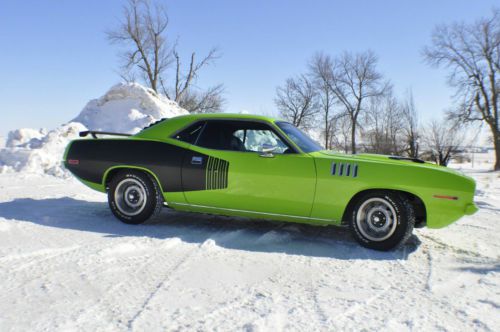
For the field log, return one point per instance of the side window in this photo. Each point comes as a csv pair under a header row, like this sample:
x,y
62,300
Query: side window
x,y
191,133
255,139
244,136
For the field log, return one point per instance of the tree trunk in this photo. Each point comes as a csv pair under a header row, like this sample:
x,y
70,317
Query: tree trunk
x,y
496,142
353,137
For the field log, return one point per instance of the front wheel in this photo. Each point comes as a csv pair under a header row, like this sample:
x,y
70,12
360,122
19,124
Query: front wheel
x,y
382,220
134,197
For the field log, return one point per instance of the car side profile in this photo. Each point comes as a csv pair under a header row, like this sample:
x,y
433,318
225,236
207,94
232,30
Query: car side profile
x,y
260,167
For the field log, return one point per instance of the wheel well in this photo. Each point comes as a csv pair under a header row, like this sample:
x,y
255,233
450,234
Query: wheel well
x,y
415,201
113,172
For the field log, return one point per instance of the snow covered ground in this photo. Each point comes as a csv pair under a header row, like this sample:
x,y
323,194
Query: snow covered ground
x,y
67,264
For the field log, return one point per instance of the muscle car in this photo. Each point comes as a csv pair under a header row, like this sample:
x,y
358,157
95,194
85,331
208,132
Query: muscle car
x,y
259,167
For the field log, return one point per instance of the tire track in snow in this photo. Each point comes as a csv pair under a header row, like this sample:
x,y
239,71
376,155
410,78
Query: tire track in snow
x,y
313,294
105,305
164,281
167,276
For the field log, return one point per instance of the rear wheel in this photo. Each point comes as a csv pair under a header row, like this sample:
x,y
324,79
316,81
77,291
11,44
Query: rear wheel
x,y
382,220
134,197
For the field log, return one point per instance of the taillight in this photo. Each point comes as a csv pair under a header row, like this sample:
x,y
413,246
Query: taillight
x,y
73,161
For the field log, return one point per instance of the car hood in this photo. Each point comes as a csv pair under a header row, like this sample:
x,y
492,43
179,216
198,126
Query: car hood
x,y
386,159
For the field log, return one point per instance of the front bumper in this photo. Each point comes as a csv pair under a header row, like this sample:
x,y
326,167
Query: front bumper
x,y
470,209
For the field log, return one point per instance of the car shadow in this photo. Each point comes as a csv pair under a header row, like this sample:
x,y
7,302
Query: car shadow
x,y
227,232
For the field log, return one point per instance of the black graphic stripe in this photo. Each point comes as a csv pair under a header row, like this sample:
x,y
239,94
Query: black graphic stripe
x,y
216,174
178,169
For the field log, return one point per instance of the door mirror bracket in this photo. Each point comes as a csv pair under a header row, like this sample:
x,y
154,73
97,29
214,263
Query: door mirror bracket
x,y
268,151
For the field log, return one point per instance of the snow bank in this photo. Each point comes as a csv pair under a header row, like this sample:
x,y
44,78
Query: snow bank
x,y
40,154
125,108
22,136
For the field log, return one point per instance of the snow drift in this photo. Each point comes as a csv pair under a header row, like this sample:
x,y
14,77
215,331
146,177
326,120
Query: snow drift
x,y
126,108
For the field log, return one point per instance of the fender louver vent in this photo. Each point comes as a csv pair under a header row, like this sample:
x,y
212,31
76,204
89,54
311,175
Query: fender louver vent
x,y
216,176
344,169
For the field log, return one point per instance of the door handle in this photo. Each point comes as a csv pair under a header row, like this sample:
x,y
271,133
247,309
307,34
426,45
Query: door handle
x,y
196,160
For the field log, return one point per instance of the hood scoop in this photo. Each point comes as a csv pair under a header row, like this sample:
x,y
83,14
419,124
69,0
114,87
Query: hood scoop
x,y
415,160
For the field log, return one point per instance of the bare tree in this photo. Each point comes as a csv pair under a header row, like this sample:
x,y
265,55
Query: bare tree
x,y
340,133
442,140
207,101
384,123
296,101
472,53
150,55
319,69
410,126
353,79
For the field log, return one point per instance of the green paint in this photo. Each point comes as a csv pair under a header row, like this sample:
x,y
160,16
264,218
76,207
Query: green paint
x,y
301,187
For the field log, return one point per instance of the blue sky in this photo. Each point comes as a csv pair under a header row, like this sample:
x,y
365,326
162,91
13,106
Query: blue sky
x,y
55,57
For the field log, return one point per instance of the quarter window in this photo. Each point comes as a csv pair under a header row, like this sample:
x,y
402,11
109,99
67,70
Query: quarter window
x,y
191,133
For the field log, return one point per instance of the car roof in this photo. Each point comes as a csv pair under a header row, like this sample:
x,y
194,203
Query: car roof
x,y
205,116
169,126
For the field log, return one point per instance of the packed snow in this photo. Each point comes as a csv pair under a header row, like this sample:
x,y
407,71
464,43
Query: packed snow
x,y
67,264
125,108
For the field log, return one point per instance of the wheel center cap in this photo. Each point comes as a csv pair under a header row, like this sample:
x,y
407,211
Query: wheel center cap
x,y
378,219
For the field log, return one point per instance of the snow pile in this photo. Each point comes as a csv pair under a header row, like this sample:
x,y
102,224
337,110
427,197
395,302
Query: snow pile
x,y
40,154
125,108
22,136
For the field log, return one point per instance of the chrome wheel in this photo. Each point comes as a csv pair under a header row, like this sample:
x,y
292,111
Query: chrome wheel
x,y
130,197
376,219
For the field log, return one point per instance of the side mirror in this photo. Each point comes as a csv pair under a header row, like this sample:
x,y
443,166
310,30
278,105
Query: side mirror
x,y
268,151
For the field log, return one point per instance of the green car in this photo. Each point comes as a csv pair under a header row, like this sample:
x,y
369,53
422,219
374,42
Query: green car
x,y
259,167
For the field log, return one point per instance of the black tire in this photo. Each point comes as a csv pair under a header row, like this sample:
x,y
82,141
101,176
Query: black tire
x,y
134,197
382,220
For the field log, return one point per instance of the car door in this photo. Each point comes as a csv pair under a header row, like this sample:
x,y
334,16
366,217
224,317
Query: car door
x,y
231,166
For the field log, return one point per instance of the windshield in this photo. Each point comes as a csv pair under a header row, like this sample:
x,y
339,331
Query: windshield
x,y
304,142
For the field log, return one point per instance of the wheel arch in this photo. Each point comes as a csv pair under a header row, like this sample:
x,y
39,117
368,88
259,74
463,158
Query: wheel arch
x,y
417,203
112,171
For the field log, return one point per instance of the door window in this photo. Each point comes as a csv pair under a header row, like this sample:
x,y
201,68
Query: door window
x,y
244,136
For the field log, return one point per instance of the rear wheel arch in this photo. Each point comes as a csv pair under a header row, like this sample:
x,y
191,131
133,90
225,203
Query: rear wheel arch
x,y
111,172
416,202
